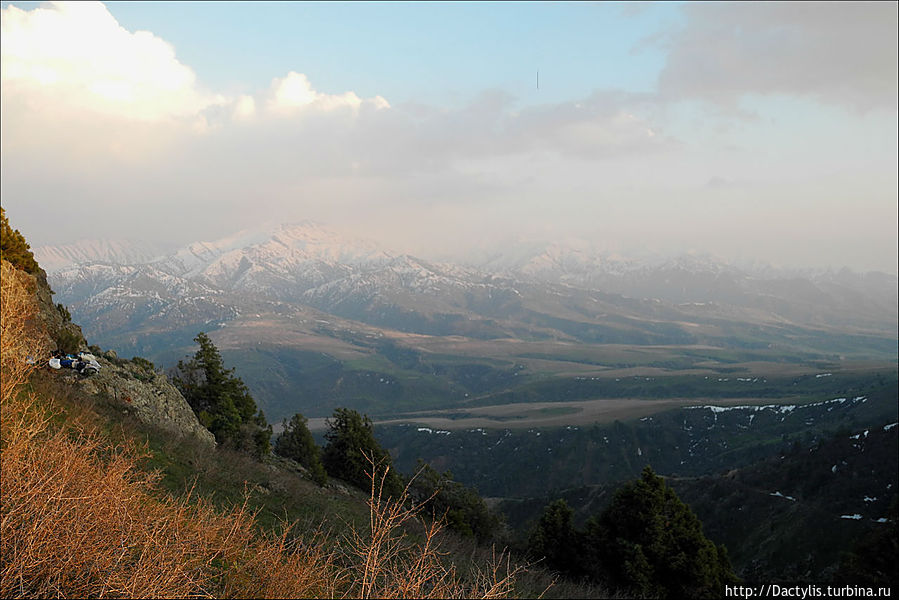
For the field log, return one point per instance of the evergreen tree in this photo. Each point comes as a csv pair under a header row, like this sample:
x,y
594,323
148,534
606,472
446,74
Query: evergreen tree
x,y
221,400
296,443
648,540
14,248
554,539
351,439
465,510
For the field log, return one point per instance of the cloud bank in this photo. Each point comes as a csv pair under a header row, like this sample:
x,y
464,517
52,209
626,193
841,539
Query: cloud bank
x,y
107,134
836,52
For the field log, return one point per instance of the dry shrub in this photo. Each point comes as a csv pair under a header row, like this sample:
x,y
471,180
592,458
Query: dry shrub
x,y
19,338
78,521
390,565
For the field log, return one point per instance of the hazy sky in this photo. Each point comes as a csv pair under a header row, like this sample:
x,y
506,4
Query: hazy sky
x,y
749,130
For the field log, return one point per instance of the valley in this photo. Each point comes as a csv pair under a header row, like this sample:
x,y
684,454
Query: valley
x,y
532,379
561,414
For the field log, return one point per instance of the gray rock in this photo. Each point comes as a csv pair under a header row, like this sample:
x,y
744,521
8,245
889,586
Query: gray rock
x,y
148,395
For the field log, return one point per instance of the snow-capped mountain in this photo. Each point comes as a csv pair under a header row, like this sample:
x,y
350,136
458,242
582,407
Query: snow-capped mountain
x,y
569,259
844,295
262,260
305,264
570,288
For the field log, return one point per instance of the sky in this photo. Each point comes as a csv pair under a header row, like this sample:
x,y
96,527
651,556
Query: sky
x,y
756,132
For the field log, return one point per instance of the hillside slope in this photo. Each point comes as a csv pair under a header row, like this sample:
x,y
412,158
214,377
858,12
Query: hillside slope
x,y
100,500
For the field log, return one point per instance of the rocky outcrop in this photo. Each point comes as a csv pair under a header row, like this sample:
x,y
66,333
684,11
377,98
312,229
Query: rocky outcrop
x,y
59,330
146,394
136,386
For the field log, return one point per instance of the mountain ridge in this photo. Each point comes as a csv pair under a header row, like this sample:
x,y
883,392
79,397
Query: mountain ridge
x,y
315,290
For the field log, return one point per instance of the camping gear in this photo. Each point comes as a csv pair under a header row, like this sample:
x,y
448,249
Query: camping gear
x,y
85,363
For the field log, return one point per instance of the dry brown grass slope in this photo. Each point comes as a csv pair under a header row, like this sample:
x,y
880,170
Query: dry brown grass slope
x,y
80,518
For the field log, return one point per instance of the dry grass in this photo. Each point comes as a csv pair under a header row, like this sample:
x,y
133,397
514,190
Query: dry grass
x,y
79,518
18,330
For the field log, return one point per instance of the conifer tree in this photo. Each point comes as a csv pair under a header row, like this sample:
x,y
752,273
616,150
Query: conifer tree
x,y
351,439
221,400
649,541
296,443
555,540
465,510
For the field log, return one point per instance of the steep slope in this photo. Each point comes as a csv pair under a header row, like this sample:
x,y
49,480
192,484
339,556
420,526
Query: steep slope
x,y
801,510
131,386
790,517
84,513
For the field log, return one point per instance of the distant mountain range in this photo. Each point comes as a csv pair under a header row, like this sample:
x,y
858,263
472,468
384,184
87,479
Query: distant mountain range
x,y
310,264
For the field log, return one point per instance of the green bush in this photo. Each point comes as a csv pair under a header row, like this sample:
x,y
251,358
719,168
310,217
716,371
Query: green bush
x,y
554,539
14,248
650,542
647,543
144,364
68,341
63,311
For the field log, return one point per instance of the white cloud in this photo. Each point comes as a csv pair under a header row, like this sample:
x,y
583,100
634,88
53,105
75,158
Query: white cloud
x,y
78,89
293,92
105,130
75,82
244,107
74,56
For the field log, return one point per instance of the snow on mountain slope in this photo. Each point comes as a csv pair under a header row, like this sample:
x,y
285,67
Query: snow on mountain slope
x,y
113,252
194,258
400,276
310,264
293,259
